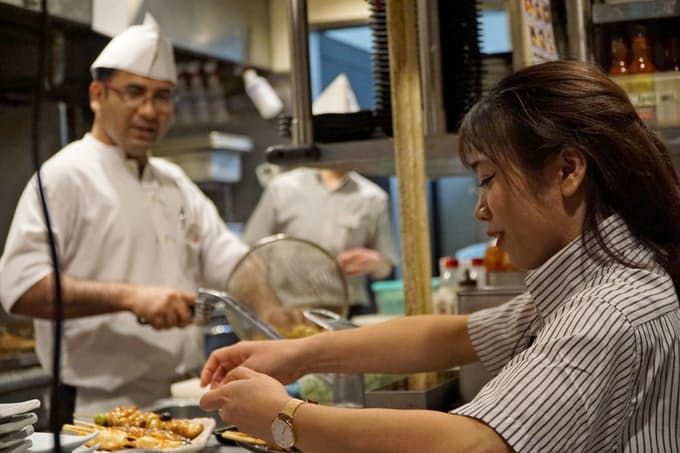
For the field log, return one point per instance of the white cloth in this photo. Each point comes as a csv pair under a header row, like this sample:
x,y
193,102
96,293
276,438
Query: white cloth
x,y
337,97
141,50
110,225
355,214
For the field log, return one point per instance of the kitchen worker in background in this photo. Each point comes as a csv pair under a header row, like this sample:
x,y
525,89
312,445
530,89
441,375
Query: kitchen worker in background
x,y
575,188
341,211
135,239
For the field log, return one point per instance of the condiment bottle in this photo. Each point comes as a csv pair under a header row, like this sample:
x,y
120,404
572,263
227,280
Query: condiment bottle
x,y
619,64
642,59
445,300
478,270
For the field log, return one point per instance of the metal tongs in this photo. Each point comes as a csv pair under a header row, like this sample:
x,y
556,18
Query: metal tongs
x,y
208,300
327,319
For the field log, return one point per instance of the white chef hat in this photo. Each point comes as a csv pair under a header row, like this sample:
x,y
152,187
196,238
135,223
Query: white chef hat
x,y
141,50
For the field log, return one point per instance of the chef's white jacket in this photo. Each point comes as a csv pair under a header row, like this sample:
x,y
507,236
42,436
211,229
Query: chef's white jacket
x,y
112,225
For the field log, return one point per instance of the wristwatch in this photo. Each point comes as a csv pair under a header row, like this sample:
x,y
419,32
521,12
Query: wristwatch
x,y
282,426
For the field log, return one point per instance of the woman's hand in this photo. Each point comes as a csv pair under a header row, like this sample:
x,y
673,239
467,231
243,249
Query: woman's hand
x,y
281,359
249,400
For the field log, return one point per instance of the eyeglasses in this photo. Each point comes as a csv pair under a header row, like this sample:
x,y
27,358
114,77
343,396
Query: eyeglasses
x,y
134,96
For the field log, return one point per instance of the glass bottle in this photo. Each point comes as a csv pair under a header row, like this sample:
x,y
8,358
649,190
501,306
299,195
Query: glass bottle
x,y
641,49
672,54
619,64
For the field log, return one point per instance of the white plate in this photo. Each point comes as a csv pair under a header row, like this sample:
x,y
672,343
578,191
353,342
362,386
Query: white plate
x,y
197,444
15,437
20,448
17,422
8,409
44,442
85,449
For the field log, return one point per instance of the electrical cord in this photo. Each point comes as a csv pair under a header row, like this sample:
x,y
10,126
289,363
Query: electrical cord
x,y
58,311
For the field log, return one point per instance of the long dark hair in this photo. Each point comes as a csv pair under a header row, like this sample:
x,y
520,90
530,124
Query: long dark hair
x,y
542,109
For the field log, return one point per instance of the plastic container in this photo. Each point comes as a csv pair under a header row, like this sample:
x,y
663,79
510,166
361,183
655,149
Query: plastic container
x,y
262,94
389,295
445,300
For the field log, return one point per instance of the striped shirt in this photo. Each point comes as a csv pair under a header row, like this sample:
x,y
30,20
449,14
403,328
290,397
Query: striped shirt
x,y
588,360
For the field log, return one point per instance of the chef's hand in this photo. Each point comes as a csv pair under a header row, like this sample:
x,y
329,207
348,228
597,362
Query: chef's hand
x,y
249,400
362,261
161,307
281,359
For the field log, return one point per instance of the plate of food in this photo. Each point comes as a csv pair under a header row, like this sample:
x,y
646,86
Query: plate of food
x,y
130,429
230,435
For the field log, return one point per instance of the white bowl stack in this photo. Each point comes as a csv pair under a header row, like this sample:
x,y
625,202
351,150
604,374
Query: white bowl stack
x,y
16,425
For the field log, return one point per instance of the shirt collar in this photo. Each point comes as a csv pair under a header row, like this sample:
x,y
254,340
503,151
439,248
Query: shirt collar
x,y
343,182
117,153
578,265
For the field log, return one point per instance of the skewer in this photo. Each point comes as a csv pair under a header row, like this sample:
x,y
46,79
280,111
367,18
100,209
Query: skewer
x,y
86,424
82,430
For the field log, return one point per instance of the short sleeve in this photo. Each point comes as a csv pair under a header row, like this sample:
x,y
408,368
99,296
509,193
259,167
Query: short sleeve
x,y
26,258
498,332
569,384
262,221
383,240
220,249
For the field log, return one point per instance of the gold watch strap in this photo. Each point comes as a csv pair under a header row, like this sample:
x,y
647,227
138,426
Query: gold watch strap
x,y
291,406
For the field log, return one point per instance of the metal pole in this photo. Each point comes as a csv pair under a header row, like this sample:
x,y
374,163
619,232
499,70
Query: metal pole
x,y
430,67
301,127
578,17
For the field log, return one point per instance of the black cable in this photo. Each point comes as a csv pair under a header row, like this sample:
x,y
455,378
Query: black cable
x,y
58,312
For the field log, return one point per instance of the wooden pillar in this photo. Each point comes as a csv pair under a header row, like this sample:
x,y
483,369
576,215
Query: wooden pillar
x,y
409,150
409,154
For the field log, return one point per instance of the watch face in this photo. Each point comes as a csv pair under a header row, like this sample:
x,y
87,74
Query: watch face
x,y
282,432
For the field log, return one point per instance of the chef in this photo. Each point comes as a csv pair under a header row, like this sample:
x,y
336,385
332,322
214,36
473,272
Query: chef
x,y
354,227
135,239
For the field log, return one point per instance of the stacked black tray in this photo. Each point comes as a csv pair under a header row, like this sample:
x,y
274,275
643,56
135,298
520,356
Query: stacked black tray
x,y
461,58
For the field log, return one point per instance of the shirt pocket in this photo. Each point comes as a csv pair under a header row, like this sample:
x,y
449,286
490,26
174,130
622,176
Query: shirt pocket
x,y
353,230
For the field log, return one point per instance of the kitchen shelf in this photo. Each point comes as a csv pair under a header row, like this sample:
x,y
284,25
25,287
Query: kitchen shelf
x,y
655,9
207,141
374,157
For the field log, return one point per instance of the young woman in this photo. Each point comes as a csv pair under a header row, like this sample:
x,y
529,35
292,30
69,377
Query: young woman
x,y
576,189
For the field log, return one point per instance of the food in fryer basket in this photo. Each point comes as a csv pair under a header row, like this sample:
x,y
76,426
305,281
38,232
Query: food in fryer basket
x,y
299,330
133,417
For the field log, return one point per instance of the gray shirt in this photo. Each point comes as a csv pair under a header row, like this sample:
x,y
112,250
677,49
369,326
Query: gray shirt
x,y
589,359
355,214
